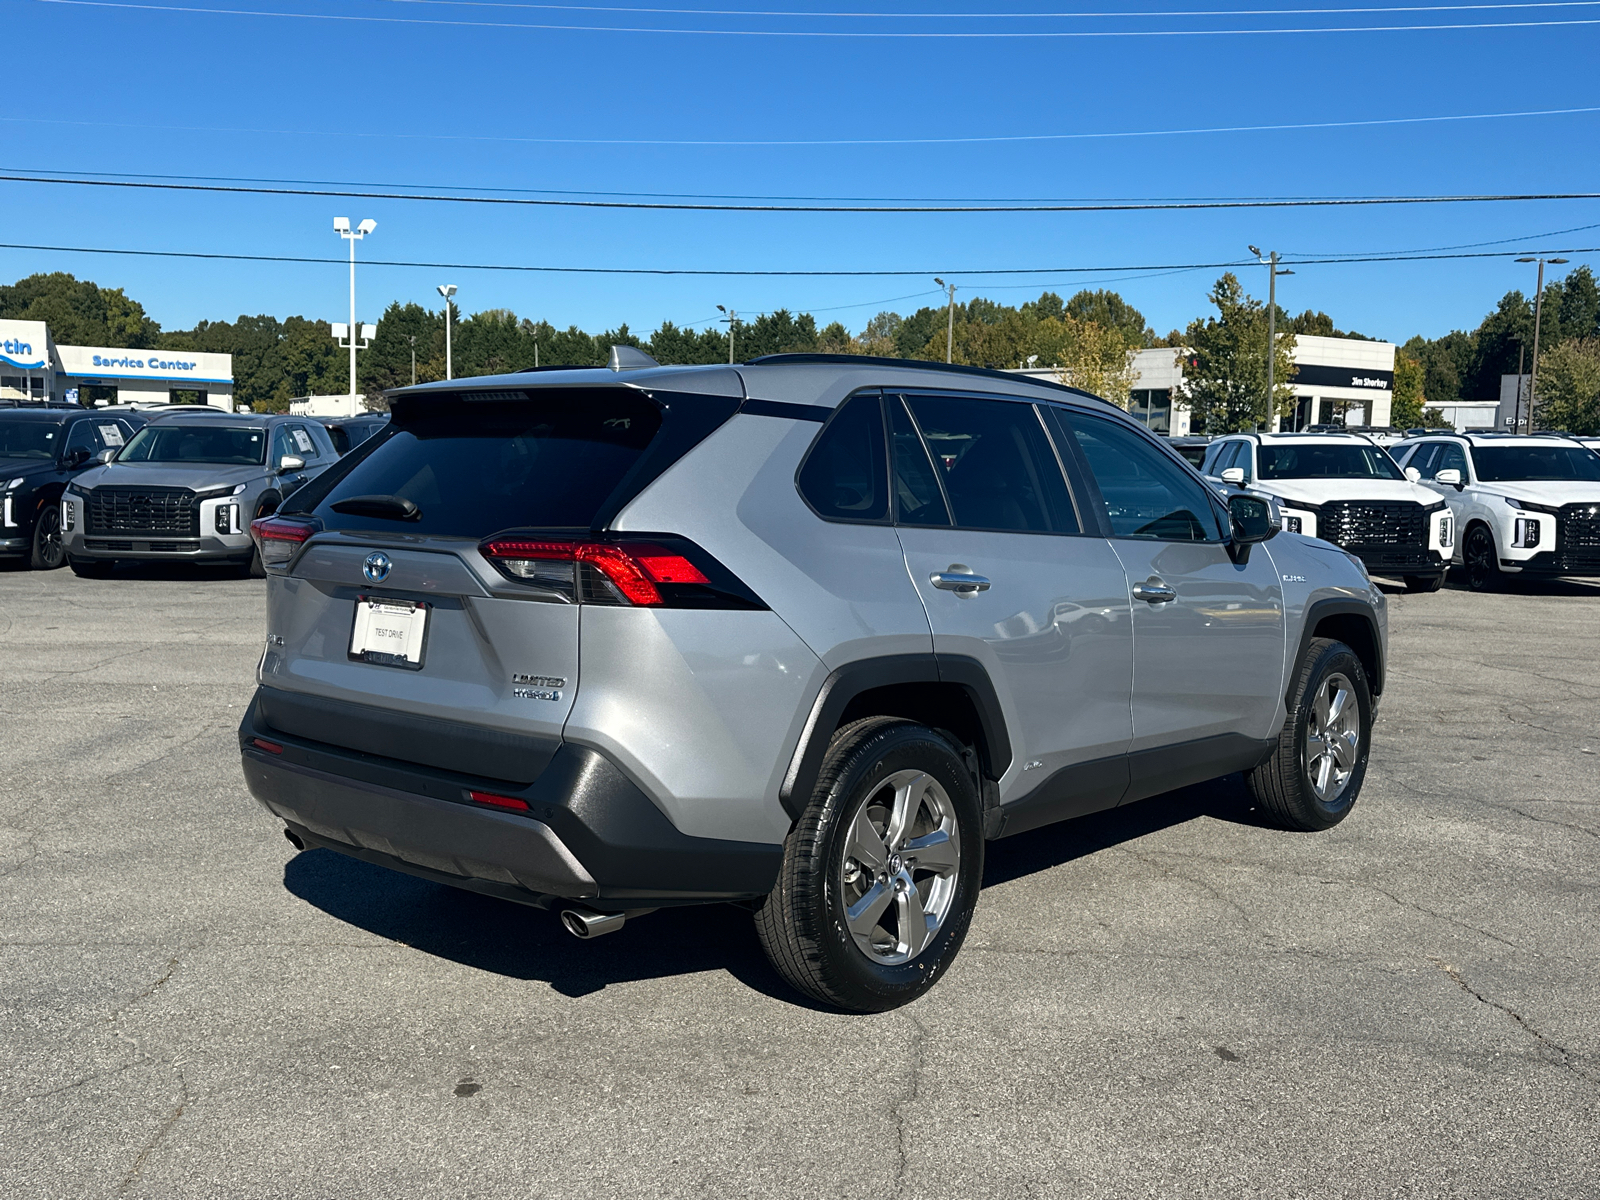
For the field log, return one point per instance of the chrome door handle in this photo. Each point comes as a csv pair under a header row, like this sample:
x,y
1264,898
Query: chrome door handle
x,y
1153,591
963,583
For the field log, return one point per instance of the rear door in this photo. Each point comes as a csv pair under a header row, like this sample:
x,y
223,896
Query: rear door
x,y
1208,632
980,493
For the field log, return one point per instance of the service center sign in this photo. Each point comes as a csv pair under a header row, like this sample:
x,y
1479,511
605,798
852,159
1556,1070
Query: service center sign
x,y
100,362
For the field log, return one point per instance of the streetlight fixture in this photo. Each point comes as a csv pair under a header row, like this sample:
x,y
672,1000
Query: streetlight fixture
x,y
732,318
1538,311
352,336
950,325
1271,263
447,290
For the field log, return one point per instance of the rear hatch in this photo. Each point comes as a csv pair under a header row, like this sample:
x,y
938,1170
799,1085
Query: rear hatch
x,y
390,631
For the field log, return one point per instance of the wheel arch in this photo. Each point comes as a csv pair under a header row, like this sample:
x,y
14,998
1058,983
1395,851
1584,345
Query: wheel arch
x,y
952,693
1347,621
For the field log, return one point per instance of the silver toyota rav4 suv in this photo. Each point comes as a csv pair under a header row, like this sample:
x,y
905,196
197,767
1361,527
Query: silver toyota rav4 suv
x,y
802,634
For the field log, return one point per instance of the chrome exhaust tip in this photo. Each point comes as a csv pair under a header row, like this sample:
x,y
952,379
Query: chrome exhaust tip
x,y
586,923
294,838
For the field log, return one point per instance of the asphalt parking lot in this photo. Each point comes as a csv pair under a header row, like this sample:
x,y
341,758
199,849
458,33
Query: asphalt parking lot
x,y
1166,1000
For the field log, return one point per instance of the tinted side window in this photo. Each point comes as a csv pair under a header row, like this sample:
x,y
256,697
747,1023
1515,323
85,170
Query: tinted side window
x,y
305,443
1451,457
844,477
1146,494
1422,458
85,435
1226,453
918,499
281,445
999,469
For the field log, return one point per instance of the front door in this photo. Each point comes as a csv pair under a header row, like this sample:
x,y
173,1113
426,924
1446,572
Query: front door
x,y
1013,577
1208,632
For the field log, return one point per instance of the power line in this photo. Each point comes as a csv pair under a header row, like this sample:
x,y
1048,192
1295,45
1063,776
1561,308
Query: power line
x,y
681,206
670,271
817,33
1002,16
931,141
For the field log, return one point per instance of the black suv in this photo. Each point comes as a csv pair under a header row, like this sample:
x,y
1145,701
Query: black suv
x,y
41,449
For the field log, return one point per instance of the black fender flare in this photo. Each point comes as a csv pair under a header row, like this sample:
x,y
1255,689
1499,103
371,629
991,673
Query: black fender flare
x,y
845,683
1334,606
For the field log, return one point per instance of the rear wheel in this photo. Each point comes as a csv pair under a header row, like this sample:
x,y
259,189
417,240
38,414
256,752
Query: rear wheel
x,y
880,875
1482,561
1424,583
48,552
1315,773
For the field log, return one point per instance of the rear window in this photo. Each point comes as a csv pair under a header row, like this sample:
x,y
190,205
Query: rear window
x,y
474,468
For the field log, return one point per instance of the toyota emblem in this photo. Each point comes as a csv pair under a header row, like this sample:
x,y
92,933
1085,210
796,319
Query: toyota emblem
x,y
376,568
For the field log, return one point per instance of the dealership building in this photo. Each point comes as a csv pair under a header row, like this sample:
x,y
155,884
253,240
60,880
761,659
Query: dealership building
x,y
33,368
1337,381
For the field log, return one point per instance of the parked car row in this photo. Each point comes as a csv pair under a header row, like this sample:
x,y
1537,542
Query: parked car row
x,y
174,483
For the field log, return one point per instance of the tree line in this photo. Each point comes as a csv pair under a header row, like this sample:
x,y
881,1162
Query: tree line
x,y
1089,338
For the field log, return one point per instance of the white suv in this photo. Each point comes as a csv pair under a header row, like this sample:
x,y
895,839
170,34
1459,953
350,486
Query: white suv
x,y
1344,489
1525,504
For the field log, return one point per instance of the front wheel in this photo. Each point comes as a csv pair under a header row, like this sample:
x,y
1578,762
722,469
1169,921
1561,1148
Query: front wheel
x,y
1315,773
48,552
1482,561
1424,583
880,875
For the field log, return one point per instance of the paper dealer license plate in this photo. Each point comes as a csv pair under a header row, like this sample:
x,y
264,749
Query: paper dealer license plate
x,y
389,632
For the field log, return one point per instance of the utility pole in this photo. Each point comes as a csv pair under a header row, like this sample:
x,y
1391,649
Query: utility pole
x,y
1538,311
1271,263
447,290
732,318
358,337
950,323
413,340
1516,411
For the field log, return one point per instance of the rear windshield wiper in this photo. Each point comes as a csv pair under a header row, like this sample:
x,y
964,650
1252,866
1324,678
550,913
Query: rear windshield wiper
x,y
387,508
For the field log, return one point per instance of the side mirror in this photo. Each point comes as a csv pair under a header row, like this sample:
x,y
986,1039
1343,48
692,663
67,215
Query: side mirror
x,y
1450,477
1233,475
1252,522
106,455
1413,474
290,463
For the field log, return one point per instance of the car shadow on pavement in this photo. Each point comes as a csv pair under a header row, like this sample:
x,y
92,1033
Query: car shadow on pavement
x,y
526,943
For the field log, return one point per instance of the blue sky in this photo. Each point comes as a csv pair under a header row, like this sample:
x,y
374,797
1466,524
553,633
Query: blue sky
x,y
120,89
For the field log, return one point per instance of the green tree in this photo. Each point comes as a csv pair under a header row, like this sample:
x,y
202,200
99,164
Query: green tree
x,y
1099,359
688,347
1110,311
78,312
1225,379
1406,410
1579,308
1569,387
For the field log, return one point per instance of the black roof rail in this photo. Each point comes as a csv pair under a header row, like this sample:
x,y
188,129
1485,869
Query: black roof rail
x,y
920,364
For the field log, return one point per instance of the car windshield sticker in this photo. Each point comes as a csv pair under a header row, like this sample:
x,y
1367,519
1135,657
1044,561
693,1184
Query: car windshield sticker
x,y
302,439
111,433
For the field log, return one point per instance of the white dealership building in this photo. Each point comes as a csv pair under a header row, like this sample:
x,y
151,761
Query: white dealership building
x,y
33,367
1337,381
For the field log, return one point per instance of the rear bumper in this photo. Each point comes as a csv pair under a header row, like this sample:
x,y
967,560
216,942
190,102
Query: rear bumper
x,y
588,833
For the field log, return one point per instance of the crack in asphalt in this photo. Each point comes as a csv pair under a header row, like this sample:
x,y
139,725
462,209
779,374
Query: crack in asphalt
x,y
1217,893
918,1060
184,1100
1522,812
1566,1055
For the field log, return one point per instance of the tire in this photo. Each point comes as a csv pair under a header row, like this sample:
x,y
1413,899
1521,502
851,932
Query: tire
x,y
1424,583
48,552
1482,561
252,568
91,568
876,770
1308,784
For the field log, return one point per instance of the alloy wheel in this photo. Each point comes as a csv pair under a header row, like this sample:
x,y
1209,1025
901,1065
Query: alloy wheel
x,y
1333,737
899,867
1480,557
51,552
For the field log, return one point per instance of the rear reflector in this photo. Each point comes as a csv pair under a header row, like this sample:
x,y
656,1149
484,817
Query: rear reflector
x,y
497,801
269,747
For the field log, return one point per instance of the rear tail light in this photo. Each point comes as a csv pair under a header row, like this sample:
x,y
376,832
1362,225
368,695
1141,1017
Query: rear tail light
x,y
663,571
279,537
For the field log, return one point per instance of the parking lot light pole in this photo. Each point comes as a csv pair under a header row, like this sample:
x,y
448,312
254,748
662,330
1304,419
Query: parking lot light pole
x,y
1538,311
447,290
950,325
341,226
